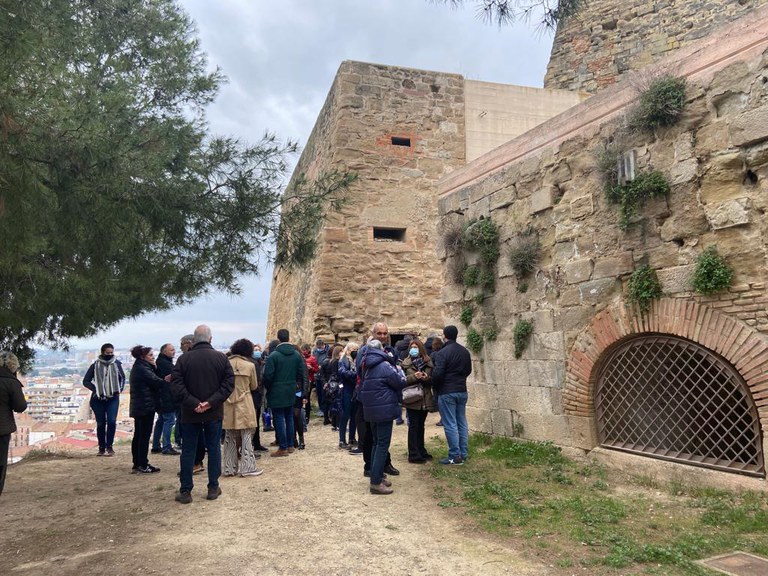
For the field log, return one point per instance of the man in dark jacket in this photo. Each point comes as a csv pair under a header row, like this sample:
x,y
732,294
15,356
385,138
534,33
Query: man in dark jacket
x,y
321,353
285,367
11,400
166,407
202,380
449,378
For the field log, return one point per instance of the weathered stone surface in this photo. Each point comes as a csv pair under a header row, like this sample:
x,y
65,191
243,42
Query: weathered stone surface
x,y
515,373
546,345
582,206
503,198
336,235
479,420
578,270
749,127
544,321
583,432
543,199
597,291
502,422
685,171
614,266
541,427
548,374
712,138
729,213
677,279
722,179
565,231
570,297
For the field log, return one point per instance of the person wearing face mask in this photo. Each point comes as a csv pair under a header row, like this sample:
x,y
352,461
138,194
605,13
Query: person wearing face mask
x,y
105,379
258,396
418,371
348,377
145,389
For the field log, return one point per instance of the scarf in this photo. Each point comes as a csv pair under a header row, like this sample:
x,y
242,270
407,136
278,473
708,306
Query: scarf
x,y
107,377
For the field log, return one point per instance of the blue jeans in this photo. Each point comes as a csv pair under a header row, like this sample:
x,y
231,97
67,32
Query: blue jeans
x,y
382,436
163,426
105,412
452,408
190,433
283,422
344,418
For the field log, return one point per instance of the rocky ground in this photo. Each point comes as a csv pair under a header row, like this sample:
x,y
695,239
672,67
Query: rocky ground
x,y
310,513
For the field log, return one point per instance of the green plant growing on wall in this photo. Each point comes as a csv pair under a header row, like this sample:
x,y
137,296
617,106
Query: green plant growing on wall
x,y
632,195
712,274
660,105
524,254
467,312
471,276
452,238
643,287
490,334
474,341
487,279
522,334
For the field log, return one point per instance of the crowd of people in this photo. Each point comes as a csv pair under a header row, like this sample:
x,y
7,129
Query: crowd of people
x,y
210,403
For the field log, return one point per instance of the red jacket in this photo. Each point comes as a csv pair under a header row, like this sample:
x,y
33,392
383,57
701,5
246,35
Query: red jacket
x,y
312,366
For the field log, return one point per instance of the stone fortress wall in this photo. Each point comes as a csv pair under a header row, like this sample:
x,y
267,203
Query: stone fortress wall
x,y
716,160
608,39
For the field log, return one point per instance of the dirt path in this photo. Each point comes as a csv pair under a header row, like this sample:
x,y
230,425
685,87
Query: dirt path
x,y
310,513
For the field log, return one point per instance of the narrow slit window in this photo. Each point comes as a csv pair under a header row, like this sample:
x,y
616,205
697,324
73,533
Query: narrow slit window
x,y
401,141
389,234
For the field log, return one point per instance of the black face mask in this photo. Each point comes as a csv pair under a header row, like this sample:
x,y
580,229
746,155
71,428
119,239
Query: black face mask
x,y
353,354
108,356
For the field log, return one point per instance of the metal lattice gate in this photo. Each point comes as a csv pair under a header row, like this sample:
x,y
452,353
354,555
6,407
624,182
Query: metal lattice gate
x,y
670,398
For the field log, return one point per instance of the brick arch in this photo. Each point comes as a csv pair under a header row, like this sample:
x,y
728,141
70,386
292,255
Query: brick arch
x,y
739,344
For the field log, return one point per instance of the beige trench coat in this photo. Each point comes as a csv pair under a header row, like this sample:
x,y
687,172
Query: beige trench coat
x,y
239,413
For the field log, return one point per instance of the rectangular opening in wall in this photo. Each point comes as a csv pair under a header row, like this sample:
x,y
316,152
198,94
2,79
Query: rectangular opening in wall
x,y
401,141
388,234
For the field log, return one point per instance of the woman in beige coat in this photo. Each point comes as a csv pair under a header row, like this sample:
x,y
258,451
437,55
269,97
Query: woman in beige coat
x,y
240,414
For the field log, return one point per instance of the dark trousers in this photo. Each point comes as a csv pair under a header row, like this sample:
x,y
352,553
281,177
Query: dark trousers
x,y
105,412
382,436
210,433
368,448
5,442
416,420
142,432
298,425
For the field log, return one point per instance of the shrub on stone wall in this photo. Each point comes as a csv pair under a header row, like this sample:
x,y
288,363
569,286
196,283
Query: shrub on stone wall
x,y
712,274
524,254
632,195
660,105
643,287
467,312
471,276
522,334
474,340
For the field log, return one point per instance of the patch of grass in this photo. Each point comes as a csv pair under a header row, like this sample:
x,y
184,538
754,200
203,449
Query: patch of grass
x,y
581,514
39,454
660,105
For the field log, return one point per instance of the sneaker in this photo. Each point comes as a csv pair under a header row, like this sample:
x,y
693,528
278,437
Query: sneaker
x,y
279,452
156,451
261,448
213,493
184,497
417,460
380,489
197,468
302,446
452,461
171,452
102,453
389,469
148,469
257,472
110,452
344,446
356,451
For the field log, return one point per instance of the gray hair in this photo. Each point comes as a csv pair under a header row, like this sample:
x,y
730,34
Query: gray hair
x,y
202,334
9,360
375,344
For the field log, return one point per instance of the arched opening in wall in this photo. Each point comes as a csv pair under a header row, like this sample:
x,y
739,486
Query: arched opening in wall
x,y
670,398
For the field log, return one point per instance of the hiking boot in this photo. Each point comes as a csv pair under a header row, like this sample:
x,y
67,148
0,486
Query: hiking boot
x,y
213,493
451,461
184,497
257,472
391,470
171,452
381,489
280,452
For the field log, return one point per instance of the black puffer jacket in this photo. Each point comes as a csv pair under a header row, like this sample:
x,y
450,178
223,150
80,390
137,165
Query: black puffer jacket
x,y
11,400
165,399
145,387
453,364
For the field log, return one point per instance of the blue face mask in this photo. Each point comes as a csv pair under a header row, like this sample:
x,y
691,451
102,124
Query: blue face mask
x,y
413,352
257,354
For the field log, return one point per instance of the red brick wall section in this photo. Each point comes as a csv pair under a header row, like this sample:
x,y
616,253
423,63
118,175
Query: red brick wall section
x,y
743,346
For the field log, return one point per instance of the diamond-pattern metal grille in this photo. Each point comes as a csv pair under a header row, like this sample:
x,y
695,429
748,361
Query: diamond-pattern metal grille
x,y
672,399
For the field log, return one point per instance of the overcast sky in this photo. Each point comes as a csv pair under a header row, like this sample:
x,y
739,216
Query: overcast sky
x,y
280,58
